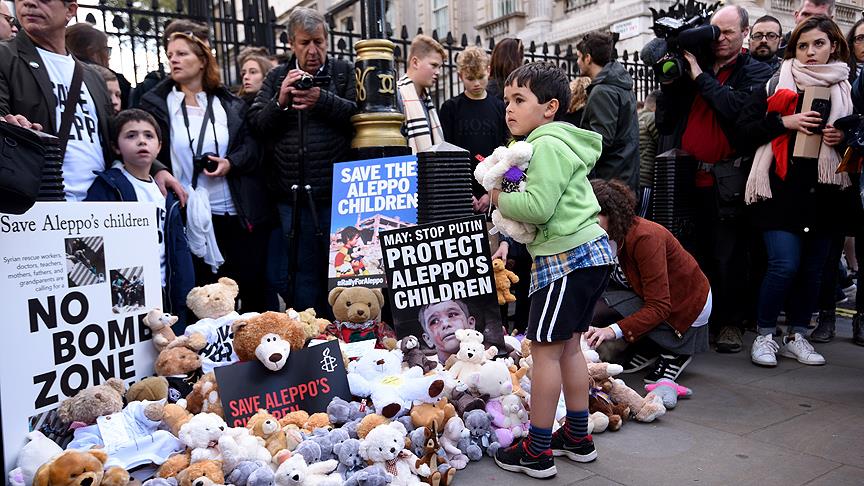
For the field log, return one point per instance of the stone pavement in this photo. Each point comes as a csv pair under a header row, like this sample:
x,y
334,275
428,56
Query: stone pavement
x,y
789,425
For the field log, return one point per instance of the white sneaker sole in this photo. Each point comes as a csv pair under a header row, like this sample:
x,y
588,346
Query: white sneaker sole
x,y
534,473
788,354
765,364
575,457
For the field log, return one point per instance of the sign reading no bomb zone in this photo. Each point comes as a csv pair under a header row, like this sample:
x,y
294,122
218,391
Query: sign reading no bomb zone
x,y
440,280
77,280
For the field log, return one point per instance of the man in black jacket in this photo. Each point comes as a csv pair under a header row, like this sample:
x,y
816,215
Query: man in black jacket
x,y
35,74
696,114
610,109
306,131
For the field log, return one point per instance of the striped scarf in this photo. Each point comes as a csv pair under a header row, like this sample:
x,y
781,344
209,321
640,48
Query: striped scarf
x,y
421,117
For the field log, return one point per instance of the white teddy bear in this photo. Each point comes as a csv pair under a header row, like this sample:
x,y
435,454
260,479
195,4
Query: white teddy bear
x,y
238,444
385,446
505,170
201,434
378,374
295,472
471,355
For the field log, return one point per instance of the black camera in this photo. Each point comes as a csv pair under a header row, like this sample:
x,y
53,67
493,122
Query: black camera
x,y
203,162
683,27
308,82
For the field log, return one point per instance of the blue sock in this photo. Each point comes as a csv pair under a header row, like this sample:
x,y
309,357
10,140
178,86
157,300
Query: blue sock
x,y
577,423
539,440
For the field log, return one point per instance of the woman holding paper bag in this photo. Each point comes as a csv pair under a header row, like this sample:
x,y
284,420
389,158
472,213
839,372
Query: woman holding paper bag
x,y
792,184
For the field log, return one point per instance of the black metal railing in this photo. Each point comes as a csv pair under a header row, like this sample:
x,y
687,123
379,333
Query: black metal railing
x,y
135,32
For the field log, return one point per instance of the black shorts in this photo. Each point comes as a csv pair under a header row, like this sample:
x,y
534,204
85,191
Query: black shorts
x,y
566,306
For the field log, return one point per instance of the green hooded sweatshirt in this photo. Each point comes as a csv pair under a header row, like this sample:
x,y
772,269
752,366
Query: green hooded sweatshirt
x,y
558,198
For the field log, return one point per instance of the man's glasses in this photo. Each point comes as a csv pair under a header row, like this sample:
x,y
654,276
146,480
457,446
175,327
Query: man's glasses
x,y
9,19
758,36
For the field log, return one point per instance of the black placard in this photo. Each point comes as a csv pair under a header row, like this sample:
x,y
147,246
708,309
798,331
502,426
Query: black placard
x,y
310,379
444,271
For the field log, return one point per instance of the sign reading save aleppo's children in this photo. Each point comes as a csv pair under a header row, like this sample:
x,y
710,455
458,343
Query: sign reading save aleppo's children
x,y
369,196
310,378
440,280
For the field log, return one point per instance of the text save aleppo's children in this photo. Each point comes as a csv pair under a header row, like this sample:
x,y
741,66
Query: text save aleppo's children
x,y
137,139
572,262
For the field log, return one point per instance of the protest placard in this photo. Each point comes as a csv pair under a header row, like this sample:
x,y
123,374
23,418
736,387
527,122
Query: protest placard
x,y
440,280
310,379
77,280
369,196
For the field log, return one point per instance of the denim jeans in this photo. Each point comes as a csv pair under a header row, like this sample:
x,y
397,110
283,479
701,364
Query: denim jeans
x,y
792,279
313,252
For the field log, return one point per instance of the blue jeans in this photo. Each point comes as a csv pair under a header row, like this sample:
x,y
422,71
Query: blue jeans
x,y
313,252
792,279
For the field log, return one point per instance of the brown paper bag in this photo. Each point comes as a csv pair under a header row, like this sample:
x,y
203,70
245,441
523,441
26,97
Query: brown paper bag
x,y
807,146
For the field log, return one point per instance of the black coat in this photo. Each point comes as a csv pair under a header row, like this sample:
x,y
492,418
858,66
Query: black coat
x,y
727,100
799,204
328,131
26,89
245,180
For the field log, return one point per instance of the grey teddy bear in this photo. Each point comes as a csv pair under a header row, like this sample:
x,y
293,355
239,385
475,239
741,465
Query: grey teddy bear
x,y
371,476
348,454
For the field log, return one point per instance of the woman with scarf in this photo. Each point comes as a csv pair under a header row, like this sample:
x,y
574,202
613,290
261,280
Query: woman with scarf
x,y
793,199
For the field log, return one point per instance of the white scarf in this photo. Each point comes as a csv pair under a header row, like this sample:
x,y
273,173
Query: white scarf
x,y
796,76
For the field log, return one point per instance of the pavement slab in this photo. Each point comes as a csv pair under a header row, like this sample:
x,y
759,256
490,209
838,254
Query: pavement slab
x,y
842,476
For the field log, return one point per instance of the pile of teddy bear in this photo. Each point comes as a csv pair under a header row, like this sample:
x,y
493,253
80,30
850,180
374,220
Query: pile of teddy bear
x,y
411,420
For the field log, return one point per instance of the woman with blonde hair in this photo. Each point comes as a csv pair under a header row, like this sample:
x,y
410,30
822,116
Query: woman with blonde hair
x,y
578,99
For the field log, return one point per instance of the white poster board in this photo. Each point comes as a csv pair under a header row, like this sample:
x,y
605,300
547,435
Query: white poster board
x,y
76,280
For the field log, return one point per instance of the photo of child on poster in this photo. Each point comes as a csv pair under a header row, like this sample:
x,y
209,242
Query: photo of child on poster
x,y
369,196
440,280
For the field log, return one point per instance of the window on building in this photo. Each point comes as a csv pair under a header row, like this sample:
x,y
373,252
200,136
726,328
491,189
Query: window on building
x,y
441,16
577,4
501,8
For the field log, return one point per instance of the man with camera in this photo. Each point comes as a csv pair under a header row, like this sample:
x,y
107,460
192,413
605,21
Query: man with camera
x,y
303,115
695,113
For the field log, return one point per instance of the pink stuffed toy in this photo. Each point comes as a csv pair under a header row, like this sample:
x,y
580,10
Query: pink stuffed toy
x,y
669,391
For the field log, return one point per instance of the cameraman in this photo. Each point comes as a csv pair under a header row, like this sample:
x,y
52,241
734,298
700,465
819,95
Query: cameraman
x,y
306,131
696,114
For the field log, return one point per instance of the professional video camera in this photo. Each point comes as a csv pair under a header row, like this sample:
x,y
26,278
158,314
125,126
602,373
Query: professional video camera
x,y
683,27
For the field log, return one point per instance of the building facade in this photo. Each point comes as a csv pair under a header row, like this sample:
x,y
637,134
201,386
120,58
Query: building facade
x,y
560,22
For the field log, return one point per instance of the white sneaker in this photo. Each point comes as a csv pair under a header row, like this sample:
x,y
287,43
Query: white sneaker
x,y
799,348
763,351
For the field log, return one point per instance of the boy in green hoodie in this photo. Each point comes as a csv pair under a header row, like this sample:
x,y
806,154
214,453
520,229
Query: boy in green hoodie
x,y
572,263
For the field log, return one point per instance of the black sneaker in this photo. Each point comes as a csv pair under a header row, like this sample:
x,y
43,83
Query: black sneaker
x,y
640,360
729,340
517,458
668,366
579,450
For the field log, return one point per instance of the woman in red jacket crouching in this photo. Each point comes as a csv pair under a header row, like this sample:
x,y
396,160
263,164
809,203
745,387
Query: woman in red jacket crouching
x,y
668,300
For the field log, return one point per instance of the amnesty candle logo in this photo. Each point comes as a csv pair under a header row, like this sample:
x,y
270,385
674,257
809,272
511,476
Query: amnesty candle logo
x,y
328,363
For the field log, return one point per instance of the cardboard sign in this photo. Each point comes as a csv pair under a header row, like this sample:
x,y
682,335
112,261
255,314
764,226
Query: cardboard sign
x,y
77,280
816,98
310,379
440,279
369,196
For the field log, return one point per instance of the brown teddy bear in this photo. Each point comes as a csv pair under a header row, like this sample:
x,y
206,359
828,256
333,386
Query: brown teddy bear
x,y
80,468
160,325
314,326
358,316
214,300
174,416
201,469
266,426
440,475
269,338
204,396
152,388
93,402
180,364
503,279
432,414
369,422
413,356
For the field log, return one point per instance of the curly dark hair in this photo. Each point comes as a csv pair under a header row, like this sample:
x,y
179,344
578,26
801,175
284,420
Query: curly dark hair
x,y
618,204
